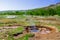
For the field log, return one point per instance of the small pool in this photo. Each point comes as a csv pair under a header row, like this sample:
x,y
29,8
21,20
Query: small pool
x,y
34,30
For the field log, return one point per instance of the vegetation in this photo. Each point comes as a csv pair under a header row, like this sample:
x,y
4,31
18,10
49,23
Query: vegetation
x,y
17,30
46,11
28,18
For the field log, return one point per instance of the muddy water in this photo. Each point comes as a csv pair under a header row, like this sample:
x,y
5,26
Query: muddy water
x,y
34,29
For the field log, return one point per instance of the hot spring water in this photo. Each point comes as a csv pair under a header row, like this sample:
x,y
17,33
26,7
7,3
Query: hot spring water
x,y
34,29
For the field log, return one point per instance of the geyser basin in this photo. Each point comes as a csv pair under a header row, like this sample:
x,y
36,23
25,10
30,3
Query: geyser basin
x,y
41,29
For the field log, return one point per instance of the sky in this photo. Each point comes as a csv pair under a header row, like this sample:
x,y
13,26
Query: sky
x,y
24,4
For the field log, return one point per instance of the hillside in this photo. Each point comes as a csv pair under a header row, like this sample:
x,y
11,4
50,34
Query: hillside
x,y
51,10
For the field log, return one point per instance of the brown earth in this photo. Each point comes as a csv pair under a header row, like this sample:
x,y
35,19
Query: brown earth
x,y
52,36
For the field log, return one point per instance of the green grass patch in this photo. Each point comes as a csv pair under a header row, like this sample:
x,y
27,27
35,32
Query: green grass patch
x,y
17,30
58,28
26,37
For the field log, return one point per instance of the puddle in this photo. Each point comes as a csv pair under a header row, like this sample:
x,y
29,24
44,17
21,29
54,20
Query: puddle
x,y
17,34
33,29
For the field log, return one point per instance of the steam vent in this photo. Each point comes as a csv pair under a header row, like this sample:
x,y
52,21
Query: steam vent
x,y
42,32
41,29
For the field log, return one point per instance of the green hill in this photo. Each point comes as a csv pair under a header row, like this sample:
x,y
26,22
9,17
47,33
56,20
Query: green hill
x,y
45,11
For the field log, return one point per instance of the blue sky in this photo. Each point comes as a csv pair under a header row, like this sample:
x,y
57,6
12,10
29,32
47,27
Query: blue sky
x,y
24,4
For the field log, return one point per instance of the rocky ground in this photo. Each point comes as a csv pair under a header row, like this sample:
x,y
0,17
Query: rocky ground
x,y
53,36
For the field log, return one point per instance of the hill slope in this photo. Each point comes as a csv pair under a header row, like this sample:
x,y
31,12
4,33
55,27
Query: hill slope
x,y
45,11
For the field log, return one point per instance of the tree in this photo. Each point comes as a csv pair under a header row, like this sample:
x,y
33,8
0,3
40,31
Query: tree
x,y
51,11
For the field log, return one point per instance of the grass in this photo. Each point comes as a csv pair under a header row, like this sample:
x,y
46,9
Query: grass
x,y
11,32
26,37
58,28
17,30
20,19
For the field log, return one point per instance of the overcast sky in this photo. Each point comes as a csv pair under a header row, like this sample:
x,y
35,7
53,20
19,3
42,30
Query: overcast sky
x,y
24,4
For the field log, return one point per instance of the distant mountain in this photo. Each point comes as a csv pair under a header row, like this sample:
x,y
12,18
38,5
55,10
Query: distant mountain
x,y
51,6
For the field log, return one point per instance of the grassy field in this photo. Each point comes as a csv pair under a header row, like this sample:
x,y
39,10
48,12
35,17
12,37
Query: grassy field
x,y
24,20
